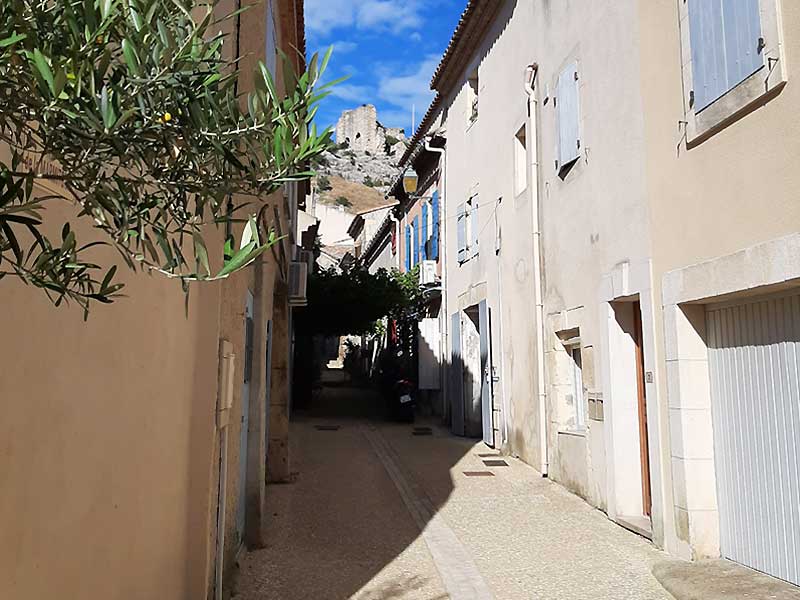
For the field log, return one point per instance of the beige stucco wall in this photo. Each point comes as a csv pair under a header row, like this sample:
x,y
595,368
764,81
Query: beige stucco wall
x,y
594,225
480,159
110,451
733,191
107,441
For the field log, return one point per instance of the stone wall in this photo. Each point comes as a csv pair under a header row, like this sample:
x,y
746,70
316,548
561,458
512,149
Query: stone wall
x,y
359,129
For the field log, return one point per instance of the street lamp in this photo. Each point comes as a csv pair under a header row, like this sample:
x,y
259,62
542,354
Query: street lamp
x,y
410,181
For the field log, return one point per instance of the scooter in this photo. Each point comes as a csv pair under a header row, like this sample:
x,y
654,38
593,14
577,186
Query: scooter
x,y
404,402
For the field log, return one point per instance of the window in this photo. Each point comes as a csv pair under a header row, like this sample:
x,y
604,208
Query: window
x,y
726,46
467,228
568,117
473,91
732,57
520,162
576,365
434,253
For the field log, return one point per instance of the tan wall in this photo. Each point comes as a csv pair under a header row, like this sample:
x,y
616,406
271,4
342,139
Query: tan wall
x,y
107,442
733,191
110,452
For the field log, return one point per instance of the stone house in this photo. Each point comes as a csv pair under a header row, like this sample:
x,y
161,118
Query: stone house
x,y
148,483
620,283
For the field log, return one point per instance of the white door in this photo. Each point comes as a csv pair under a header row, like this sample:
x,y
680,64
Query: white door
x,y
754,359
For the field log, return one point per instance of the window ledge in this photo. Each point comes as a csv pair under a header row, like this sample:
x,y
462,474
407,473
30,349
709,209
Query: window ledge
x,y
753,92
573,432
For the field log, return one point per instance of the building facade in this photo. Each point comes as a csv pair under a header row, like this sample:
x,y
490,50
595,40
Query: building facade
x,y
620,281
144,476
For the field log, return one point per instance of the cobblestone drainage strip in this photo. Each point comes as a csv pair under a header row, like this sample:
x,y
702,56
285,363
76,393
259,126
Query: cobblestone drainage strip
x,y
327,427
495,463
478,474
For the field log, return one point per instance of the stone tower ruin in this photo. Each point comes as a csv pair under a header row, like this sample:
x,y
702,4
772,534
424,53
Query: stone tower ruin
x,y
360,130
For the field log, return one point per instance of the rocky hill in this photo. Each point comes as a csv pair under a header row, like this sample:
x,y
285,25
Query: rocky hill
x,y
366,152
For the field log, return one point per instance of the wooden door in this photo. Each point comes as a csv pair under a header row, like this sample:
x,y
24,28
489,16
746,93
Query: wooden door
x,y
644,449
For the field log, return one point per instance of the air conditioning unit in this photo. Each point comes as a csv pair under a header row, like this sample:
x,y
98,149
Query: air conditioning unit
x,y
427,272
298,278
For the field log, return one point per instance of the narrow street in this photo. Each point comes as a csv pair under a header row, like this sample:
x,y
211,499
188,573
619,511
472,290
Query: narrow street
x,y
376,512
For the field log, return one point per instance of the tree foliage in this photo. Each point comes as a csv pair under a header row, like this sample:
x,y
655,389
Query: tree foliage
x,y
134,111
351,301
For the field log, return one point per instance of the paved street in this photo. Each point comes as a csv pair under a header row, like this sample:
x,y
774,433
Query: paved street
x,y
377,513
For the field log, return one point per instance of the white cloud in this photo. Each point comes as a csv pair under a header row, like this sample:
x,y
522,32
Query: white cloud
x,y
343,47
324,16
409,89
350,92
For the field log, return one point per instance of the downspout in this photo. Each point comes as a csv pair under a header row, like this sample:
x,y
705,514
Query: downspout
x,y
396,225
442,256
541,391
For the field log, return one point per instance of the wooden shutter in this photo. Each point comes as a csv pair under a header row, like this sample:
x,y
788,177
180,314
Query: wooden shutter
x,y
568,116
724,36
416,241
435,233
473,221
424,239
462,233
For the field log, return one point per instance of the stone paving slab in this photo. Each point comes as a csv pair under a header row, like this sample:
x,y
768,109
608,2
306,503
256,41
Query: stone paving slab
x,y
344,530
720,580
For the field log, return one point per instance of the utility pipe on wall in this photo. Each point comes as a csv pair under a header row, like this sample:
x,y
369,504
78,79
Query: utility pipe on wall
x,y
533,149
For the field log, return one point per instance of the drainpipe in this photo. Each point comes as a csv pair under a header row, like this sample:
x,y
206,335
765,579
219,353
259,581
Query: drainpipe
x,y
442,255
534,185
396,225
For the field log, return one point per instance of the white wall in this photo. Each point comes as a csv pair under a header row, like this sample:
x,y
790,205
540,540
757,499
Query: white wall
x,y
593,220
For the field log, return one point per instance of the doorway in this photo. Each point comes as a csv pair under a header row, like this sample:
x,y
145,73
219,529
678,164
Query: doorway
x,y
629,428
472,398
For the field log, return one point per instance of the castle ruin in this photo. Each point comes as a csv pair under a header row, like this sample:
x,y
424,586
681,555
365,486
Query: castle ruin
x,y
361,131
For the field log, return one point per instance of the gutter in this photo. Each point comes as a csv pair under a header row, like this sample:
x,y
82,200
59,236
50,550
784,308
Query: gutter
x,y
534,186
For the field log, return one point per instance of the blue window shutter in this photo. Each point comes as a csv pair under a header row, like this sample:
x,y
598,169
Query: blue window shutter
x,y
435,233
423,242
742,20
461,221
724,36
416,241
568,115
408,247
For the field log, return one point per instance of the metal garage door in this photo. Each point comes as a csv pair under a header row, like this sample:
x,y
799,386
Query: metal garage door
x,y
754,351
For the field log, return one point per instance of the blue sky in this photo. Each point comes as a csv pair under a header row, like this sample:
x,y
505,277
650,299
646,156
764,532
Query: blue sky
x,y
389,48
